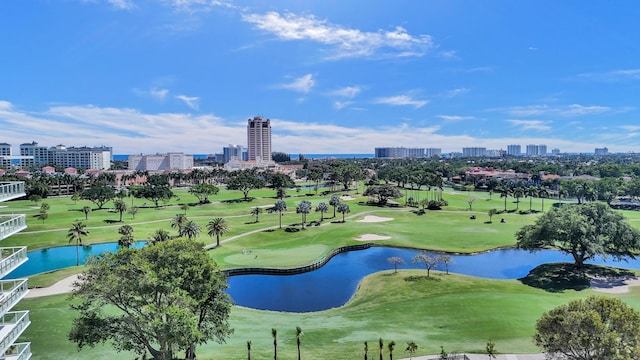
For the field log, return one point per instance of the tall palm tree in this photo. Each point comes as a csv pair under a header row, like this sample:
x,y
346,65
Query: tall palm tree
x,y
532,192
178,222
77,231
256,211
517,194
322,208
304,207
280,206
366,351
505,191
391,346
334,201
120,207
191,229
126,238
298,341
217,227
274,334
381,344
158,236
248,349
343,209
542,194
411,348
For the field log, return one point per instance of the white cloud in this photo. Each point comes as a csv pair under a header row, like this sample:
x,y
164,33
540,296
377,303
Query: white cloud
x,y
348,92
344,42
564,110
122,4
455,117
448,55
631,128
531,48
525,125
402,100
303,84
341,104
613,76
191,101
457,92
156,93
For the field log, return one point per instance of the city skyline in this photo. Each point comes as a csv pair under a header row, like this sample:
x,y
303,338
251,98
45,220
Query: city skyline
x,y
146,76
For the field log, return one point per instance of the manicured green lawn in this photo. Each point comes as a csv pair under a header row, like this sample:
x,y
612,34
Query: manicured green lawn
x,y
457,312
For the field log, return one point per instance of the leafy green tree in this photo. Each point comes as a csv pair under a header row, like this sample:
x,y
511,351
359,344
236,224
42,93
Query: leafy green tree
x,y
120,206
391,346
154,191
280,180
304,208
42,215
280,206
583,231
334,201
75,234
411,348
184,207
245,181
99,194
595,328
446,260
217,227
395,261
343,209
322,208
75,197
281,193
133,211
126,236
383,193
256,211
491,349
429,261
159,235
470,200
203,191
121,300
492,212
86,210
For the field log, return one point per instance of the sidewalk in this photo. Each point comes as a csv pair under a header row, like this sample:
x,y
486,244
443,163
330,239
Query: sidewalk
x,y
485,357
61,287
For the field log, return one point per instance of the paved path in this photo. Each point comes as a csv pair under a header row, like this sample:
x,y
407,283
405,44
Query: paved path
x,y
485,357
61,287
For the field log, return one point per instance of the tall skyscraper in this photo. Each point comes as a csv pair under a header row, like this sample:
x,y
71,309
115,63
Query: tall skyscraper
x,y
514,150
259,138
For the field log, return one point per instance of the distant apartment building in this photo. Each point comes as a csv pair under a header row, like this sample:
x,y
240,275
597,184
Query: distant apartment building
x,y
495,153
33,154
432,152
536,150
514,150
398,152
474,151
159,162
598,151
555,152
237,151
5,155
258,139
81,157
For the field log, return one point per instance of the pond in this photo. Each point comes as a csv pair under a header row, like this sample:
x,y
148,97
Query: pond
x,y
333,284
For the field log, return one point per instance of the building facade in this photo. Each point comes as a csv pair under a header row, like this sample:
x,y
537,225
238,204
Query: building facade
x,y
12,323
80,157
33,154
168,161
598,151
536,150
258,138
514,150
234,151
432,152
5,156
398,153
474,151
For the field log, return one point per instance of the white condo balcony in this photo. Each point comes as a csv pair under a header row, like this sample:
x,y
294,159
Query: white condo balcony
x,y
12,324
11,190
11,292
20,351
11,258
12,224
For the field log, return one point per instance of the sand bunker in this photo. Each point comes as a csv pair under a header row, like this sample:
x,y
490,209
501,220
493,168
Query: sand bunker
x,y
347,197
614,285
372,237
374,219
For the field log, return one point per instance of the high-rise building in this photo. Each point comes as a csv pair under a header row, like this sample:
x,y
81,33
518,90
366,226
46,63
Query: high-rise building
x,y
12,323
234,151
537,150
514,150
398,152
5,156
81,157
598,151
169,161
259,138
431,152
33,154
474,151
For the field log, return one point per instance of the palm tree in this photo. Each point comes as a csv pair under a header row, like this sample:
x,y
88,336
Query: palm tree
x,y
343,209
381,344
322,208
531,192
158,236
120,207
86,210
178,222
184,207
280,206
492,212
543,193
391,345
76,232
517,194
505,191
366,351
42,215
133,211
274,334
248,349
191,230
411,348
126,240
304,207
256,211
334,201
298,341
217,227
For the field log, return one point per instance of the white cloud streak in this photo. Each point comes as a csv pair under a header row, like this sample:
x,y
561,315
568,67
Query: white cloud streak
x,y
348,92
565,111
613,76
455,117
401,100
190,101
343,42
303,84
526,125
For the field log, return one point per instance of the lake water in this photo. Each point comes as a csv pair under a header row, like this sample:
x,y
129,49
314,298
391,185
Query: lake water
x,y
336,282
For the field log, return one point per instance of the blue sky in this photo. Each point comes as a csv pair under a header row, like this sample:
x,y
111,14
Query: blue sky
x,y
334,76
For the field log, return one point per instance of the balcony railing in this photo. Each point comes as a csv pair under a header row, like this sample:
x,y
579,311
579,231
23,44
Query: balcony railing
x,y
11,292
12,224
20,351
11,258
12,325
11,190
